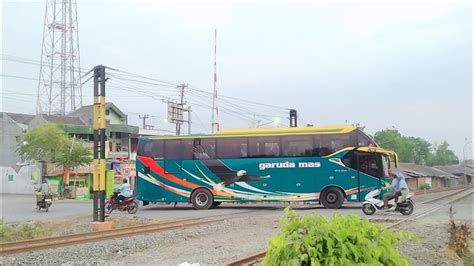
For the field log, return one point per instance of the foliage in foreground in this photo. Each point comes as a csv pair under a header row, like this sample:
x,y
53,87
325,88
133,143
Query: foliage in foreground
x,y
342,240
20,232
459,235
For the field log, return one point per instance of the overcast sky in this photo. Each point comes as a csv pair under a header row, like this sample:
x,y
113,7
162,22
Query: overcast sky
x,y
383,64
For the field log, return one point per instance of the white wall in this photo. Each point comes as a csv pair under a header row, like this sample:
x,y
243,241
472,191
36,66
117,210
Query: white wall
x,y
22,182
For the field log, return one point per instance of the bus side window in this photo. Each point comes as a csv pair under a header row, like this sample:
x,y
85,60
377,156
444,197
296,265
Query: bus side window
x,y
187,146
158,149
145,148
204,149
294,146
322,145
231,147
264,147
173,150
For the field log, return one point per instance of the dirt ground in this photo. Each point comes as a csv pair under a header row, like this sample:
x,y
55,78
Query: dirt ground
x,y
238,236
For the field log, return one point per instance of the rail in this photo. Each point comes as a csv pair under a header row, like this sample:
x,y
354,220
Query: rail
x,y
14,247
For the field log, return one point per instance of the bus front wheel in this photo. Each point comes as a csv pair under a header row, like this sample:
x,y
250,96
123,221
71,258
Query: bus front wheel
x,y
202,199
332,198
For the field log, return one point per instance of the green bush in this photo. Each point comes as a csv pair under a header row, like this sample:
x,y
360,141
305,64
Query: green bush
x,y
425,186
343,240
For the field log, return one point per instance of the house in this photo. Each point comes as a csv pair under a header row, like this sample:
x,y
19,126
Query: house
x,y
417,175
464,172
119,133
17,176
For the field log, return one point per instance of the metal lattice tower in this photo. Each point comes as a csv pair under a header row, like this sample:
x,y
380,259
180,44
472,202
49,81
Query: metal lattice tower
x,y
59,87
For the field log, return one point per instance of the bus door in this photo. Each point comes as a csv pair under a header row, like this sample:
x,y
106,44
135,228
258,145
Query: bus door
x,y
352,161
370,172
173,156
364,172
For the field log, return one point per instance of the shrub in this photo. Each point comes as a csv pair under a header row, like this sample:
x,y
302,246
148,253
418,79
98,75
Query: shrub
x,y
343,240
425,186
459,235
20,232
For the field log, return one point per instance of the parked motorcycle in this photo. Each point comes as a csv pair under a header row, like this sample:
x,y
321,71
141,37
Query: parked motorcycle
x,y
373,203
44,201
129,204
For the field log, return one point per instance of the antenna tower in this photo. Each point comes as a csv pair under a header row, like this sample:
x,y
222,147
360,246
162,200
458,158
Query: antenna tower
x,y
59,86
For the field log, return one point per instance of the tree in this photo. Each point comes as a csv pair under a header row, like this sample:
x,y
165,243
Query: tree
x,y
443,155
389,138
50,143
409,149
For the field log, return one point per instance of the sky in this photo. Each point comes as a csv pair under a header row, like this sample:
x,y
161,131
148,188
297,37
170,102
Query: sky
x,y
381,64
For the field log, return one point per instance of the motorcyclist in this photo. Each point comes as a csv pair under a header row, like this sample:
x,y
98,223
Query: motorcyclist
x,y
398,188
124,190
42,190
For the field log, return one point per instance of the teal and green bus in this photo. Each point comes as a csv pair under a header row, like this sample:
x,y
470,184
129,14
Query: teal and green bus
x,y
326,164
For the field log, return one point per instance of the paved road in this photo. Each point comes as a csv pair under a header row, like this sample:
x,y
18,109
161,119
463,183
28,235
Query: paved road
x,y
21,207
14,207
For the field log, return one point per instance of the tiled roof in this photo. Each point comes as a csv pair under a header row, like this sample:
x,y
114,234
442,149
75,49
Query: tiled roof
x,y
456,169
415,170
20,118
65,120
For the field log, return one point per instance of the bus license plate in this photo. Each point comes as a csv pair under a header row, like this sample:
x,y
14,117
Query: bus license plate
x,y
47,200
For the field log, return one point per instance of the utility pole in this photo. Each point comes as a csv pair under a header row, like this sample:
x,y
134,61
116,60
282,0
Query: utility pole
x,y
99,124
189,120
144,118
181,88
215,110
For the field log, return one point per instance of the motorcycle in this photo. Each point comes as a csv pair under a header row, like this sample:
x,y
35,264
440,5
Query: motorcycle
x,y
44,201
373,203
129,204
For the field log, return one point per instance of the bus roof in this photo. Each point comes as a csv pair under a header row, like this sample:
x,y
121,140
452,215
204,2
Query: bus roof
x,y
289,130
316,130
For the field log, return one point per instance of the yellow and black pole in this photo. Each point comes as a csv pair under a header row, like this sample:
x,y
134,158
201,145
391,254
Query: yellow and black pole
x,y
98,181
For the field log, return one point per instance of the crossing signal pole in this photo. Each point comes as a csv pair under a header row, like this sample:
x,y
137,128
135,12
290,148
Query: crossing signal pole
x,y
293,118
99,124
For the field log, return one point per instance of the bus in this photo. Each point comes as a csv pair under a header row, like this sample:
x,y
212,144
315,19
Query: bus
x,y
325,164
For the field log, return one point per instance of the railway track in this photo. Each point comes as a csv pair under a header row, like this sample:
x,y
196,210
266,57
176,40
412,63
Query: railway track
x,y
254,258
9,248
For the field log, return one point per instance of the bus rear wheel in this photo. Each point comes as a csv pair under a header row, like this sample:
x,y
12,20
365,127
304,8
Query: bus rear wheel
x,y
202,199
332,198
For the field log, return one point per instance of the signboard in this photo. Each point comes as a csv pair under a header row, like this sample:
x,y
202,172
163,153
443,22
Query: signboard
x,y
123,170
175,113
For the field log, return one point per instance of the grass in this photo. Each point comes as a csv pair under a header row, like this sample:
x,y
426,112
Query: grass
x,y
23,231
79,224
